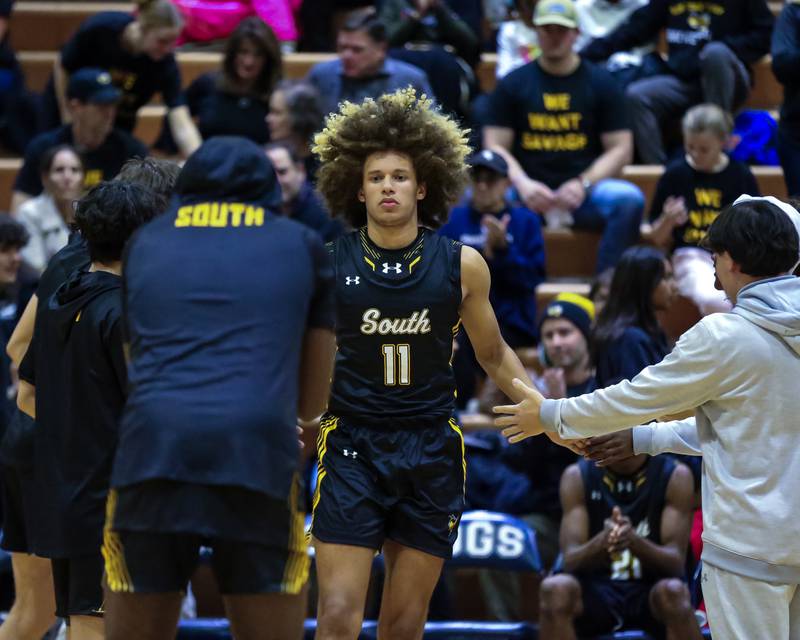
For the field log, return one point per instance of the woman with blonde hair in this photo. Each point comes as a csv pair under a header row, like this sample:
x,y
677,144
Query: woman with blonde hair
x,y
138,52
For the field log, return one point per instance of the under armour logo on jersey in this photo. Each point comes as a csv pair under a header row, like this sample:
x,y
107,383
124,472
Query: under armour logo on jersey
x,y
397,268
596,495
349,453
352,280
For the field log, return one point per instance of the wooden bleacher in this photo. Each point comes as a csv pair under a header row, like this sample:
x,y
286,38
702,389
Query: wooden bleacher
x,y
767,92
63,17
39,28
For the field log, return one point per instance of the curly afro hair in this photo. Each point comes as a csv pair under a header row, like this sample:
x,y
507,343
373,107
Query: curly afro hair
x,y
110,213
403,123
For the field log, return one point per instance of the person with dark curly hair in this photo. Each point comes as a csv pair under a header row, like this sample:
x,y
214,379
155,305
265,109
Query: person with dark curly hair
x,y
79,399
391,456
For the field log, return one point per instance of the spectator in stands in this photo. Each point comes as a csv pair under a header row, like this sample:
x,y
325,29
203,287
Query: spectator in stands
x,y
785,63
517,42
709,51
138,53
16,288
624,535
19,121
295,115
510,239
363,69
48,216
689,196
565,354
599,18
300,201
628,336
431,22
234,101
560,122
212,20
92,102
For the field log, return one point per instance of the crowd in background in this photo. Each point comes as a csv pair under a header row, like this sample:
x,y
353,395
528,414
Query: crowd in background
x,y
582,91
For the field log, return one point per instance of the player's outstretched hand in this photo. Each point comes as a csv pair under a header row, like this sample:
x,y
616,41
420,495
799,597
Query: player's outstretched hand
x,y
576,446
611,448
521,420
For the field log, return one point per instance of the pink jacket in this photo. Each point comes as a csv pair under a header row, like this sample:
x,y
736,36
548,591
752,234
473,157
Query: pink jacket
x,y
214,19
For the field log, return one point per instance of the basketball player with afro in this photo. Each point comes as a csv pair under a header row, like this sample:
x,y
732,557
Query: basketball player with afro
x,y
391,456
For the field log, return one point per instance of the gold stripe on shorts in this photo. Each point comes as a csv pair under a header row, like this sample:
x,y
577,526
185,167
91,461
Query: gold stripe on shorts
x,y
326,427
117,575
454,426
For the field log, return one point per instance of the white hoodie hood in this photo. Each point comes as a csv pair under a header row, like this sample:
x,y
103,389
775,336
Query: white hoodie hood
x,y
774,305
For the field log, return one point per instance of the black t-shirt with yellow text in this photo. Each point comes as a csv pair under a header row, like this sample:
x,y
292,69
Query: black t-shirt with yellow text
x,y
558,120
102,163
705,194
97,43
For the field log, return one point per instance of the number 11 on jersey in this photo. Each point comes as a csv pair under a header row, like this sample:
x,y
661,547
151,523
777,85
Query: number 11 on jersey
x,y
396,360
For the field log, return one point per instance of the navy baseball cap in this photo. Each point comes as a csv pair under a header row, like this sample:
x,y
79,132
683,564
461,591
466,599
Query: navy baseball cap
x,y
489,159
92,85
229,168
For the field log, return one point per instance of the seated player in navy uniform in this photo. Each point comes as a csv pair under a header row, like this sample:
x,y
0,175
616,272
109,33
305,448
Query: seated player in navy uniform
x,y
229,311
391,456
624,535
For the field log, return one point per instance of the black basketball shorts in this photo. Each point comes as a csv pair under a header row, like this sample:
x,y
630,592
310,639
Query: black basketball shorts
x,y
375,483
152,561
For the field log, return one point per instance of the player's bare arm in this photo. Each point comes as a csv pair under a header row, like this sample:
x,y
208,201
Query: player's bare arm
x,y
316,371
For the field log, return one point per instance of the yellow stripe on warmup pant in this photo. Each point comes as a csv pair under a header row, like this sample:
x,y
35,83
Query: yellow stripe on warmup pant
x,y
117,574
295,574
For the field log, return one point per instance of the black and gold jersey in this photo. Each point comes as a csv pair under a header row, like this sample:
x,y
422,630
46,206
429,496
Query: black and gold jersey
x,y
397,314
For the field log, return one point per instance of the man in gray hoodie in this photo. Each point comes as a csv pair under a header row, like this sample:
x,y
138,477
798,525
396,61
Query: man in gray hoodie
x,y
739,371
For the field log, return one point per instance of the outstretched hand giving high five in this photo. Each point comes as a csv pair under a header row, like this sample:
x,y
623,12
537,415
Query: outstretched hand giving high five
x,y
521,420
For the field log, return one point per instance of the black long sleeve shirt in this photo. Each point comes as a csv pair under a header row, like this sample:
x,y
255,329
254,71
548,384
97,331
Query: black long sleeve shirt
x,y
744,25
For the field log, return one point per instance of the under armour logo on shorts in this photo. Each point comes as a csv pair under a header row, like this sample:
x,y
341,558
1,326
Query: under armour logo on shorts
x,y
397,268
349,453
352,280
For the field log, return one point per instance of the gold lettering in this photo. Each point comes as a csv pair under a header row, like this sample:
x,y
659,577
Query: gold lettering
x,y
200,215
708,197
254,216
562,142
92,177
219,214
237,210
556,101
184,217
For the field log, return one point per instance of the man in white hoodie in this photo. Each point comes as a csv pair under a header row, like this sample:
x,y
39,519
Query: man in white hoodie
x,y
739,371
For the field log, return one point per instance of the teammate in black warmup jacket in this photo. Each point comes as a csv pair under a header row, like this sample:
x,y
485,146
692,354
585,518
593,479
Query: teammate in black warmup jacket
x,y
33,610
82,391
391,456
